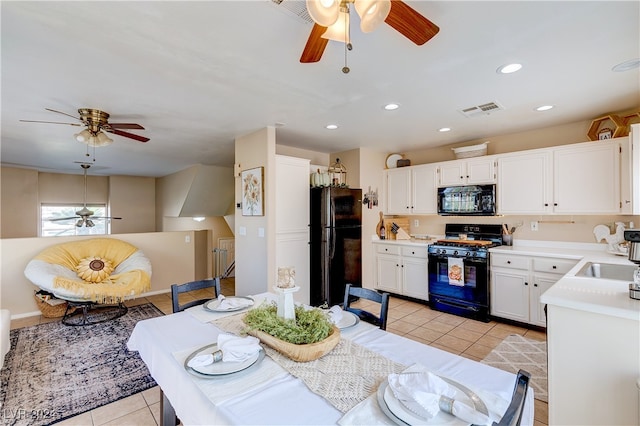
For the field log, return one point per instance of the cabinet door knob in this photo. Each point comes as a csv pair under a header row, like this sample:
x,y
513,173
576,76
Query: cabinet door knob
x,y
509,262
535,285
555,204
413,252
546,204
526,283
554,267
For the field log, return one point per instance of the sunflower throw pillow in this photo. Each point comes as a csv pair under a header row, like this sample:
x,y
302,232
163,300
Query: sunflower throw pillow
x,y
94,269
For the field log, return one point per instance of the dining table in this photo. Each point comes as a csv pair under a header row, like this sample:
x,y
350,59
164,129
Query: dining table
x,y
276,391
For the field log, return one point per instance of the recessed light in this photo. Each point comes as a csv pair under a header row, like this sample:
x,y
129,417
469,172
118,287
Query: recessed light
x,y
444,129
544,108
391,107
627,65
509,68
331,126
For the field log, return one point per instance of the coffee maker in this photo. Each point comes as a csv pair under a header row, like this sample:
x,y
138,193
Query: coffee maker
x,y
633,236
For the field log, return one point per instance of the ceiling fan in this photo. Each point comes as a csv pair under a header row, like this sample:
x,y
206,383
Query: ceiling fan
x,y
328,14
96,123
84,215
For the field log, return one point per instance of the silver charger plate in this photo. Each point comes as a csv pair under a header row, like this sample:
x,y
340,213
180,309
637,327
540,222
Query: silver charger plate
x,y
212,305
348,320
401,415
220,369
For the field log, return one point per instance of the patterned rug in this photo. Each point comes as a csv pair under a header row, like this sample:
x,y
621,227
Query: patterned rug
x,y
517,352
54,371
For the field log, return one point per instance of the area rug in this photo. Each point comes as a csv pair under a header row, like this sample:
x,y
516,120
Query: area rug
x,y
516,352
54,371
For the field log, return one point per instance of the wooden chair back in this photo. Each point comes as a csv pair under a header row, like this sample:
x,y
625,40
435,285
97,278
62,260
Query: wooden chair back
x,y
513,415
177,289
380,319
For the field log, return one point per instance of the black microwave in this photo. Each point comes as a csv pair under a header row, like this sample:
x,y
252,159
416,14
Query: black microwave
x,y
467,200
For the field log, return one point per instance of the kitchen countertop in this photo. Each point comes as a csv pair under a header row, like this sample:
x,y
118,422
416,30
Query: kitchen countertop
x,y
601,296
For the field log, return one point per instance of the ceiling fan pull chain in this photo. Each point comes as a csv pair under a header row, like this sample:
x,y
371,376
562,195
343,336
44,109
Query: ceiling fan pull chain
x,y
347,44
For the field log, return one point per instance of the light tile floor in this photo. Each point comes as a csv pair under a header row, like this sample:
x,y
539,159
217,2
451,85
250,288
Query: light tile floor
x,y
464,337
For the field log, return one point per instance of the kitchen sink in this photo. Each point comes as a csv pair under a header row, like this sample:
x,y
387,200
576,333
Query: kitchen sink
x,y
608,271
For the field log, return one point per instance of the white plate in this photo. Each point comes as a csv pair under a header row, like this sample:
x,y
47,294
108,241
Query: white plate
x,y
392,160
401,415
212,305
220,368
618,253
349,319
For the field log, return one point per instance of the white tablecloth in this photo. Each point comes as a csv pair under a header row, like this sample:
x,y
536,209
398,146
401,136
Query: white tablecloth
x,y
287,400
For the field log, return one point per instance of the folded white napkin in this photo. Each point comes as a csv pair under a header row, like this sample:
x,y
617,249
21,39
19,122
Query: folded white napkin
x,y
335,314
232,303
237,349
200,360
425,394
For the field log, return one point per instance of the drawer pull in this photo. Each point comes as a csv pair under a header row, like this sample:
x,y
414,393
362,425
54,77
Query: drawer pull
x,y
509,262
553,267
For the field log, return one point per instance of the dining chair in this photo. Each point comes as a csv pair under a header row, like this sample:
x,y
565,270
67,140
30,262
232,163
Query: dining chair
x,y
177,289
380,320
513,415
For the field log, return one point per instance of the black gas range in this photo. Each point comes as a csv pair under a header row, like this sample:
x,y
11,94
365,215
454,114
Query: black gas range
x,y
459,269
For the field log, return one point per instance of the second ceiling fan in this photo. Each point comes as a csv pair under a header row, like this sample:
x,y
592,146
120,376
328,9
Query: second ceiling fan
x,y
96,123
331,19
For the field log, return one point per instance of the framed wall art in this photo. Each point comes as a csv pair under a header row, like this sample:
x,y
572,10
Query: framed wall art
x,y
253,192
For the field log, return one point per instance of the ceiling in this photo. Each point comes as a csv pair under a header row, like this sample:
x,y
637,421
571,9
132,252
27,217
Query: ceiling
x,y
198,74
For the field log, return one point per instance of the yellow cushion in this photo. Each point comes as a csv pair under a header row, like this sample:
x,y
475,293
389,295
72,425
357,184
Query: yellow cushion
x,y
94,269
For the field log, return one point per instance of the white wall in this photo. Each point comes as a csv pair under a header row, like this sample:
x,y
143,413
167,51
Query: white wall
x,y
172,260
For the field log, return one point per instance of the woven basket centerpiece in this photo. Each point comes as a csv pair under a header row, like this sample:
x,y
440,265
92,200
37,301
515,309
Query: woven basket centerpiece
x,y
307,338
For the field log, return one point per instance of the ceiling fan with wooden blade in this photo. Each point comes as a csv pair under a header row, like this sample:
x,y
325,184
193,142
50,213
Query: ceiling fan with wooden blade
x,y
401,17
96,122
84,216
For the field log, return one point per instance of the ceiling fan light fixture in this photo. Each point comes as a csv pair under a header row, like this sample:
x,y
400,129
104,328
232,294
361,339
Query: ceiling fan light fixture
x,y
102,139
338,30
372,13
79,223
83,136
89,223
324,12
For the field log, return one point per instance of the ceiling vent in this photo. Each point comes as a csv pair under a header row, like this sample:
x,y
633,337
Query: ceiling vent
x,y
294,8
484,109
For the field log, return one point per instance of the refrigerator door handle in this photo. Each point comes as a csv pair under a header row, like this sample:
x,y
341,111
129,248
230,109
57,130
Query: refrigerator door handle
x,y
332,217
332,238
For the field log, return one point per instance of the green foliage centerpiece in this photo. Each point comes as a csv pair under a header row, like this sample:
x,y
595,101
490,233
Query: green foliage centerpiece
x,y
305,338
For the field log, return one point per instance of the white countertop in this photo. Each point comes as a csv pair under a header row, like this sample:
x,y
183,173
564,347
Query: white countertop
x,y
602,296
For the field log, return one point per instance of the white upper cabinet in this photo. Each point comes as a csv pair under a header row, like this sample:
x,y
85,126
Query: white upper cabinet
x,y
587,178
424,189
525,182
630,172
580,178
479,170
411,190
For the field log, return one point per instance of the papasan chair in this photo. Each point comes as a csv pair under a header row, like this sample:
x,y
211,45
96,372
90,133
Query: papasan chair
x,y
97,274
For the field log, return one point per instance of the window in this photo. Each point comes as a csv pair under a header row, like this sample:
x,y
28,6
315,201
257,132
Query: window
x,y
68,227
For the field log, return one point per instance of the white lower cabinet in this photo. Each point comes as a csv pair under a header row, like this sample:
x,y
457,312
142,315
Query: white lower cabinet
x,y
402,269
518,281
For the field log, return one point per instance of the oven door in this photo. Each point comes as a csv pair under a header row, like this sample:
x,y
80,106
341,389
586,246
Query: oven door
x,y
470,292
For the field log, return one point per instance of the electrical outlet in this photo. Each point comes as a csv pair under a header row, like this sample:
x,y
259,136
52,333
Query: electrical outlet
x,y
416,222
534,225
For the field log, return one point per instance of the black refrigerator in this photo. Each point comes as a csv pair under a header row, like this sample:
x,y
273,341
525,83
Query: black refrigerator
x,y
335,239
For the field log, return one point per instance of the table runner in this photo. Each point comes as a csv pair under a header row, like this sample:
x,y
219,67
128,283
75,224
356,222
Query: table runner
x,y
344,377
